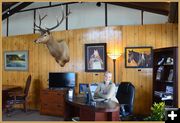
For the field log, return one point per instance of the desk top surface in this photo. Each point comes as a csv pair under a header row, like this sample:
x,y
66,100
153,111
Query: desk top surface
x,y
9,87
109,106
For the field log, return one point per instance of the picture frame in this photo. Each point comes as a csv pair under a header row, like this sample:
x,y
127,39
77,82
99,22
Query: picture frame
x,y
16,60
95,57
138,57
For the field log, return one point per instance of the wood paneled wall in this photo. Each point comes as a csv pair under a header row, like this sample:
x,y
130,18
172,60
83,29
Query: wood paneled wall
x,y
117,38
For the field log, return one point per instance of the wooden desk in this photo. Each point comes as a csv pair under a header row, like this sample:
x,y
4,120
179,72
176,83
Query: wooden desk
x,y
5,90
103,111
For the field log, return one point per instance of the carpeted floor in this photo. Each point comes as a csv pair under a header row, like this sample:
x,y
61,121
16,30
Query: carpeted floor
x,y
19,115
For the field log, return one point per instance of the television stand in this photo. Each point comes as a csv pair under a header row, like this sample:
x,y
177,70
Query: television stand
x,y
52,101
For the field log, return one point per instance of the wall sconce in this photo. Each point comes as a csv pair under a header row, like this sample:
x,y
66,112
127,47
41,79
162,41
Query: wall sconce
x,y
114,57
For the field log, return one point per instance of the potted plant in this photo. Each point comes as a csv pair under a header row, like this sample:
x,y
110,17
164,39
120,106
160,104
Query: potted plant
x,y
158,112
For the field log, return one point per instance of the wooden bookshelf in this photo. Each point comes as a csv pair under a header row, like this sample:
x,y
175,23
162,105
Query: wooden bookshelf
x,y
165,76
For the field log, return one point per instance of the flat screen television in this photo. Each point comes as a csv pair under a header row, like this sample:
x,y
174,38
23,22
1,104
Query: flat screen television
x,y
62,80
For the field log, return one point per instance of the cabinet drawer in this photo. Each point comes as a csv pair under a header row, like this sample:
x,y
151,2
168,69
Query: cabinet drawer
x,y
52,109
52,102
52,97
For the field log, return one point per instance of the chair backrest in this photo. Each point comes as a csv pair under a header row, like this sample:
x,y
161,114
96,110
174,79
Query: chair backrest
x,y
125,94
28,83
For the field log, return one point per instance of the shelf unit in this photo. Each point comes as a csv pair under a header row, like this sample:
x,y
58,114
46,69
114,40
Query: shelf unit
x,y
165,76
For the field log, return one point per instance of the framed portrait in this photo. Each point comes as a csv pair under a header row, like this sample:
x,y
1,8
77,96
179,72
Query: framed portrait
x,y
16,60
95,57
138,57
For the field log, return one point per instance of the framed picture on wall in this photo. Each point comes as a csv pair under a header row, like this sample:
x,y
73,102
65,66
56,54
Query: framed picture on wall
x,y
16,60
95,57
138,57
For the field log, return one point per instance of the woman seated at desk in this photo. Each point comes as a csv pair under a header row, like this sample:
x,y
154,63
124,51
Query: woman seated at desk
x,y
106,89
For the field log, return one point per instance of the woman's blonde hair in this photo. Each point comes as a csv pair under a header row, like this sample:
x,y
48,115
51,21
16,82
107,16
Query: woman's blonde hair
x,y
108,72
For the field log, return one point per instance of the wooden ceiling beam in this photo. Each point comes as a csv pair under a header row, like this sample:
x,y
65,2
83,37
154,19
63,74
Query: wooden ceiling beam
x,y
173,13
16,9
7,5
154,7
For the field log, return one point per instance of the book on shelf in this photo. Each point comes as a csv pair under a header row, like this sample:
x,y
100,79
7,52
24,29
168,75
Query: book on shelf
x,y
169,81
163,93
170,77
159,93
169,61
159,73
169,89
168,97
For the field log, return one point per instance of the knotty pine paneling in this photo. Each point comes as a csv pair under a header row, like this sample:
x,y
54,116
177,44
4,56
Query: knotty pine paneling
x,y
116,37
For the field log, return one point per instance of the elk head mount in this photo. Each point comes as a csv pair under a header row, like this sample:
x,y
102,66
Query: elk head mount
x,y
59,50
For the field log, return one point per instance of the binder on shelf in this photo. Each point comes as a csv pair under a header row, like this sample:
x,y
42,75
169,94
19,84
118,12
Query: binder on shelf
x,y
159,73
169,89
169,97
170,77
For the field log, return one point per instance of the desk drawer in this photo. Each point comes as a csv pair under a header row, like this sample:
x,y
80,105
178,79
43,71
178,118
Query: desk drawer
x,y
52,97
52,109
52,102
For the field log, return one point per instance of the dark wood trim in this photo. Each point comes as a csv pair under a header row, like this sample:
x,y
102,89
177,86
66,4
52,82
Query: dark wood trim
x,y
106,18
142,17
50,4
7,5
15,10
67,17
7,32
34,31
173,13
154,7
47,6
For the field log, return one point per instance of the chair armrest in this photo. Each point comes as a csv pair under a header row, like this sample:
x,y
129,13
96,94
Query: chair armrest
x,y
123,109
123,104
15,94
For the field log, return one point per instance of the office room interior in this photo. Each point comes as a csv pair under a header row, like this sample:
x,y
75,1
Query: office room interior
x,y
56,56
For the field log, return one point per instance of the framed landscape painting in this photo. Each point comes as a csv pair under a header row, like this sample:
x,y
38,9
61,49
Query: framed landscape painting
x,y
138,57
16,60
95,57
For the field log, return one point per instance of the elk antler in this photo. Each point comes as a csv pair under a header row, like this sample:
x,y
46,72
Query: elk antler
x,y
39,27
48,29
59,22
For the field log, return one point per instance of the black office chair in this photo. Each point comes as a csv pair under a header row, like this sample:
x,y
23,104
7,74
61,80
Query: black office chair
x,y
125,96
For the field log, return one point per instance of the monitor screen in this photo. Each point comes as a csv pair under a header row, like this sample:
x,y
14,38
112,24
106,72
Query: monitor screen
x,y
93,88
83,88
61,80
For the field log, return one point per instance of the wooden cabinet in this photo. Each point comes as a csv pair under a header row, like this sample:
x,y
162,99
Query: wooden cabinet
x,y
165,76
52,102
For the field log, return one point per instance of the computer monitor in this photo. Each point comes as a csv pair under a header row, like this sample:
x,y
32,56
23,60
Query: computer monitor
x,y
83,88
93,87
